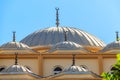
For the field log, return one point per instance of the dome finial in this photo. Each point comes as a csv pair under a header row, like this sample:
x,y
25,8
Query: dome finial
x,y
65,35
57,17
16,58
117,36
14,36
73,63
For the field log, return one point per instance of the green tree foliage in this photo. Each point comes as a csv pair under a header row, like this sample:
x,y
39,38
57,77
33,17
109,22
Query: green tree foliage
x,y
115,73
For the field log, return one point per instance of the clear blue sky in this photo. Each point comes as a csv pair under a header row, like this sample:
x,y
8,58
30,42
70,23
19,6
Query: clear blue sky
x,y
98,17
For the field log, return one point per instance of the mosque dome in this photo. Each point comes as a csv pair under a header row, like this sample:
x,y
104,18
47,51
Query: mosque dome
x,y
112,47
15,47
75,69
53,35
18,71
14,69
67,45
79,70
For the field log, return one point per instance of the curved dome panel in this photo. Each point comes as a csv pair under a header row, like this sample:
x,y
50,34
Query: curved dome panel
x,y
53,35
19,71
16,69
67,45
75,69
114,46
12,47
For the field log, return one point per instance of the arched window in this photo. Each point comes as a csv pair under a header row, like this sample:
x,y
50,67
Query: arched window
x,y
113,69
2,68
57,69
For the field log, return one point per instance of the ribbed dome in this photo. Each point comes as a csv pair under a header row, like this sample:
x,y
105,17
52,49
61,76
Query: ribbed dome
x,y
75,69
67,45
15,47
53,35
80,70
114,46
16,69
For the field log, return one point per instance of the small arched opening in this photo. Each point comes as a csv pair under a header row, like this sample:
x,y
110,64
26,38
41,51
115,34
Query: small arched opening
x,y
57,69
2,68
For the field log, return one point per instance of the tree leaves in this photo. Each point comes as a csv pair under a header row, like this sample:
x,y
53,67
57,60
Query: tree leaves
x,y
115,73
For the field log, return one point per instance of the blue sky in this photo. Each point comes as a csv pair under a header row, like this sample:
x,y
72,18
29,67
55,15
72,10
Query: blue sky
x,y
98,17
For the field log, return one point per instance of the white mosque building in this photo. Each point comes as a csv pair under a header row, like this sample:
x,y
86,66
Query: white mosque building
x,y
57,53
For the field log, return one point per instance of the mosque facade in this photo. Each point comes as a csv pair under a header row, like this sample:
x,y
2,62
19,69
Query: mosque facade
x,y
57,53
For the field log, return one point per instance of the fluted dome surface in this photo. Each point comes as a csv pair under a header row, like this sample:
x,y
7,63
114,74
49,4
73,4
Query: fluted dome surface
x,y
14,46
75,69
16,69
67,45
112,46
53,35
19,70
11,47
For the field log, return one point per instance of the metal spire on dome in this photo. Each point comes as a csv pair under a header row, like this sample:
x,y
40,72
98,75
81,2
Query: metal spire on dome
x,y
16,58
14,36
65,35
57,17
117,36
73,60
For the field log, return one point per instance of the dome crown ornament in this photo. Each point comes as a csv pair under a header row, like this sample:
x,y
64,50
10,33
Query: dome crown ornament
x,y
14,36
73,63
117,36
16,58
57,17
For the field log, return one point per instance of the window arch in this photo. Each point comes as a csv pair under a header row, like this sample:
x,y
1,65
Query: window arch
x,y
2,68
113,68
57,69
